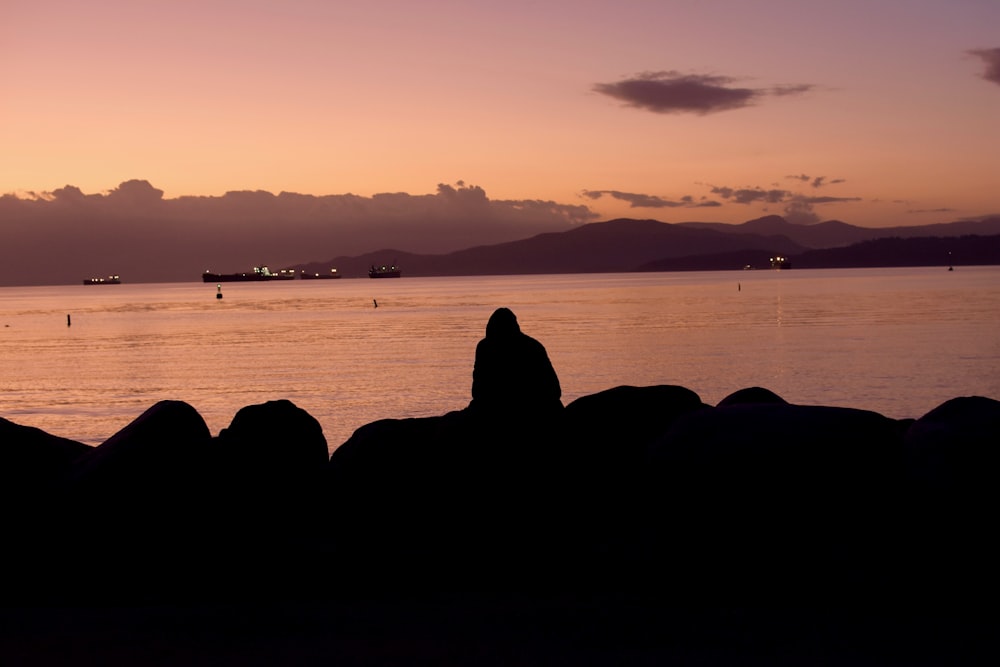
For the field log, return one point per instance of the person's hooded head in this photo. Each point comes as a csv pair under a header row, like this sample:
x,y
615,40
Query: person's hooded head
x,y
502,323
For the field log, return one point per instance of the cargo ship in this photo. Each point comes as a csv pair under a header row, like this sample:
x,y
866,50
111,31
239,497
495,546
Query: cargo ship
x,y
391,271
305,275
259,274
110,280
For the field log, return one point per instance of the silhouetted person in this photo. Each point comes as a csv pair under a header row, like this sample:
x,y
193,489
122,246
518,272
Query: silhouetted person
x,y
512,373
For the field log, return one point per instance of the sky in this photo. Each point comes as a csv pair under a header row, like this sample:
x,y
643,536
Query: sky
x,y
874,112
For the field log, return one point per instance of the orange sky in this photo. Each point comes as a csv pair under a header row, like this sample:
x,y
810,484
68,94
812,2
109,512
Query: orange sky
x,y
875,112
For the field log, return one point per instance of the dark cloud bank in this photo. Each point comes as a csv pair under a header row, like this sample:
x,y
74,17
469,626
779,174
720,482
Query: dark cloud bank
x,y
990,58
797,207
674,92
63,236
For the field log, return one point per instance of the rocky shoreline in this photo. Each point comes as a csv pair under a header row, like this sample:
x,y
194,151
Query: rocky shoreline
x,y
623,511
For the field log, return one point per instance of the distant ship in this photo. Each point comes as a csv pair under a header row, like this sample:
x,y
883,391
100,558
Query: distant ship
x,y
110,280
259,274
319,276
780,262
384,271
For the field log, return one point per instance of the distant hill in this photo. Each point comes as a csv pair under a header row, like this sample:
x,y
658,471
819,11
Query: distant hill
x,y
601,247
893,251
834,233
648,245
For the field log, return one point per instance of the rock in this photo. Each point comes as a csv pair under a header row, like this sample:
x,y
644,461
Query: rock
x,y
639,493
955,448
269,520
951,463
775,499
153,458
128,519
273,444
33,469
619,424
33,461
751,395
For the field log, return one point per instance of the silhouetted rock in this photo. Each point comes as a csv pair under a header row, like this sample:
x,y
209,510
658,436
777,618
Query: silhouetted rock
x,y
751,395
150,458
952,461
468,501
766,496
633,495
955,448
273,444
137,502
265,501
621,422
33,468
33,461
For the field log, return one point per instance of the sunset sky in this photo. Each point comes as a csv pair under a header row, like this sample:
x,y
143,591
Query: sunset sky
x,y
875,112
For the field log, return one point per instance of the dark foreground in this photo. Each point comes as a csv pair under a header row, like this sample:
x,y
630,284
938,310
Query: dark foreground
x,y
634,526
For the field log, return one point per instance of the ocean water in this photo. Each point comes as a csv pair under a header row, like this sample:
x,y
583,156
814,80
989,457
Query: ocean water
x,y
897,341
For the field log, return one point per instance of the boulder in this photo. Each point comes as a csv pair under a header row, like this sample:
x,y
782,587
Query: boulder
x,y
265,502
951,465
273,445
751,395
152,459
773,499
955,448
440,500
32,461
129,521
619,424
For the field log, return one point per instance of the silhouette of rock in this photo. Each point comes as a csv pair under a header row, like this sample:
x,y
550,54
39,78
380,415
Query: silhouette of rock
x,y
33,468
609,434
140,498
765,496
513,376
266,501
751,395
622,421
33,460
951,461
401,489
274,443
954,447
616,509
150,458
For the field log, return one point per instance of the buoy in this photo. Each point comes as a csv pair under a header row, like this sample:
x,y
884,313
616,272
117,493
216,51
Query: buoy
x,y
218,295
69,322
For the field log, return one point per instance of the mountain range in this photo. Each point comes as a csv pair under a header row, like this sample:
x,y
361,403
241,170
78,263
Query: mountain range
x,y
625,245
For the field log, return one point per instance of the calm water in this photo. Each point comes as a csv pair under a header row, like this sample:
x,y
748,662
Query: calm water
x,y
897,341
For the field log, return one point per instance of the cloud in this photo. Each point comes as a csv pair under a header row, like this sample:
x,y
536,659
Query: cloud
x,y
136,192
827,200
798,208
673,92
636,200
932,210
817,181
991,57
799,211
750,195
133,230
